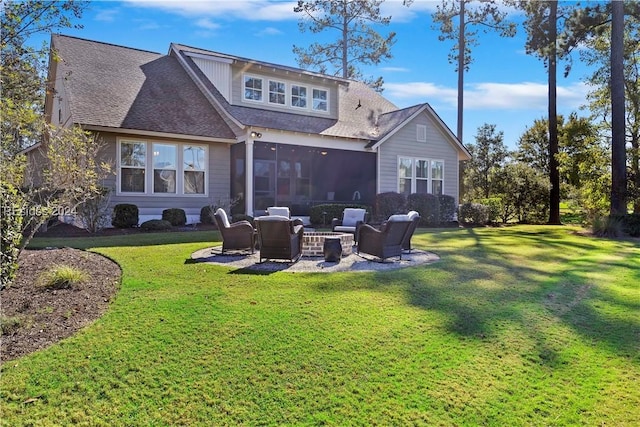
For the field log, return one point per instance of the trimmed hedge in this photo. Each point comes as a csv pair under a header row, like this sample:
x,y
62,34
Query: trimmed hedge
x,y
156,225
473,214
125,215
206,215
177,217
331,210
427,205
447,208
389,203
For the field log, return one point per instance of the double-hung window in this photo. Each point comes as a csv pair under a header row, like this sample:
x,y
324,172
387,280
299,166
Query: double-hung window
x,y
277,92
420,176
133,160
298,96
165,162
320,100
195,163
252,88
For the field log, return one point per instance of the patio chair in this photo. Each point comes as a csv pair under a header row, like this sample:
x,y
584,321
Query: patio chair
x,y
237,236
385,242
352,219
412,216
279,238
279,210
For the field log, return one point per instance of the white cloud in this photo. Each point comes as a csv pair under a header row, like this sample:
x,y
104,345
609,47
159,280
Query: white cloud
x,y
250,10
107,15
269,31
395,69
207,24
489,95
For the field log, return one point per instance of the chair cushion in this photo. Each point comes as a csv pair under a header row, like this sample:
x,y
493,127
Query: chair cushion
x,y
279,210
351,216
412,215
272,218
223,215
401,217
345,229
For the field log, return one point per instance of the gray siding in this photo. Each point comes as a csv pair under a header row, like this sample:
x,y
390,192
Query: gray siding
x,y
404,143
153,205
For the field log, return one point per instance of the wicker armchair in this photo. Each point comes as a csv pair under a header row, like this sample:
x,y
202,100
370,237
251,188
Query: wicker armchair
x,y
237,236
414,217
352,219
279,237
386,242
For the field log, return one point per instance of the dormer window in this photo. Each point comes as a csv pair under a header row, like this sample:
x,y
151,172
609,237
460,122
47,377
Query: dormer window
x,y
298,96
253,88
320,100
277,92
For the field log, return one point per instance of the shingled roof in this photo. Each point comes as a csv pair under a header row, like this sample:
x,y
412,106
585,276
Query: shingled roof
x,y
119,87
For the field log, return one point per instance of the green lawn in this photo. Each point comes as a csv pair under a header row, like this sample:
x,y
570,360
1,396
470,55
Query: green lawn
x,y
514,326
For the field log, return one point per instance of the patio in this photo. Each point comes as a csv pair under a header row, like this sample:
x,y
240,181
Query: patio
x,y
352,262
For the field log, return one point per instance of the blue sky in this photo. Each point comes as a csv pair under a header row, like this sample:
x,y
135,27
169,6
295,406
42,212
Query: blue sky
x,y
504,86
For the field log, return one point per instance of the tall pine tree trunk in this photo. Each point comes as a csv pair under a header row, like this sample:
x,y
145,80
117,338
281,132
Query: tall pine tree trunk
x,y
554,175
618,143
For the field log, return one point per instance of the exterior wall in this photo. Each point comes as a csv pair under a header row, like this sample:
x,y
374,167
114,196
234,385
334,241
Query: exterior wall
x,y
237,91
218,72
404,143
151,205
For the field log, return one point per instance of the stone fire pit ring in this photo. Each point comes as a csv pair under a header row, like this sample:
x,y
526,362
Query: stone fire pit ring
x,y
313,243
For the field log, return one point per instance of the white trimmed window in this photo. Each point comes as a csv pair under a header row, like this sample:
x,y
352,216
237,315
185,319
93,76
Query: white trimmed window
x,y
277,92
133,160
195,168
162,168
165,163
420,176
421,133
320,100
298,96
253,88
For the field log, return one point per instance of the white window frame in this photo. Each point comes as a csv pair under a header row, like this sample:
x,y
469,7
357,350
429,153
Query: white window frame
x,y
414,173
421,133
149,168
244,88
306,96
284,93
313,108
174,168
121,166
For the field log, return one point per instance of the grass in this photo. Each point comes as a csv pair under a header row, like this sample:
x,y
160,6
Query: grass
x,y
61,277
523,325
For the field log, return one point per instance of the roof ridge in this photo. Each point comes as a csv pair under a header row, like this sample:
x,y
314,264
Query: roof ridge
x,y
106,44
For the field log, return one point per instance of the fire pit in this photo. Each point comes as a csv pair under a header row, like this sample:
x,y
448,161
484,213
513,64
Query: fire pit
x,y
313,242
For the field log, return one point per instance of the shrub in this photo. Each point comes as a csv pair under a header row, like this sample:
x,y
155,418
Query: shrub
x,y
156,225
389,203
428,205
11,235
125,215
9,324
177,217
324,213
93,212
630,223
61,277
473,214
495,207
206,215
447,208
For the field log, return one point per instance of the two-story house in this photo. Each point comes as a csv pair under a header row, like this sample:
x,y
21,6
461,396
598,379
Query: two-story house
x,y
194,127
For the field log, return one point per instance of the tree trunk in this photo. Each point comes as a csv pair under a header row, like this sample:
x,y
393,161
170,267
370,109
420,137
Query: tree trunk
x,y
461,54
554,174
345,41
618,142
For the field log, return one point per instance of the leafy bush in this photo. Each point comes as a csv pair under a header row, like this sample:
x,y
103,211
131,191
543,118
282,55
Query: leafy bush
x,y
496,208
61,277
176,216
206,214
93,211
473,214
630,224
156,225
11,235
9,324
324,213
447,208
125,215
427,205
389,203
